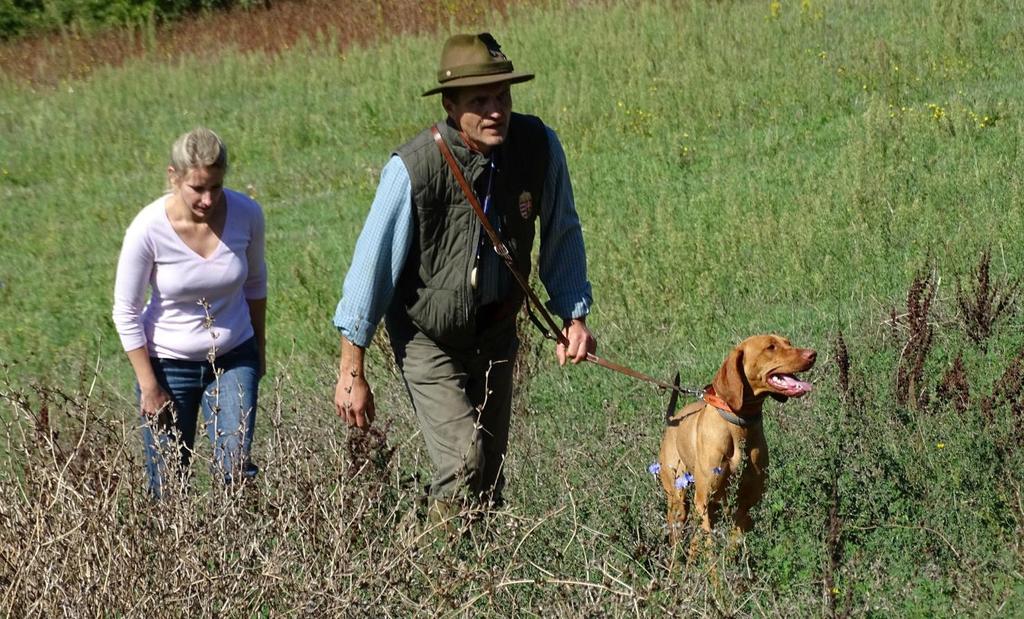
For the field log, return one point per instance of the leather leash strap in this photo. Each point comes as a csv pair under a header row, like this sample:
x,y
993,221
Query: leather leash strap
x,y
501,250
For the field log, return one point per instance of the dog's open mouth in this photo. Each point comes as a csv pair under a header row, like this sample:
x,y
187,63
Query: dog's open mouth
x,y
789,385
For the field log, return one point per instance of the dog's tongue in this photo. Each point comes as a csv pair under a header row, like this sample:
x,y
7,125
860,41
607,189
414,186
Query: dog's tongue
x,y
790,385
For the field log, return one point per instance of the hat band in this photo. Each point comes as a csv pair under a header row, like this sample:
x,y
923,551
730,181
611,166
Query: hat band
x,y
472,70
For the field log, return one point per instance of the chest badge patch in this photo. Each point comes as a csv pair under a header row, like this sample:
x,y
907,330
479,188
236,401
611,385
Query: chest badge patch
x,y
525,204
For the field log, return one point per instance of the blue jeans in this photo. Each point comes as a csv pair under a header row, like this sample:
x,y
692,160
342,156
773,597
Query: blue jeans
x,y
229,413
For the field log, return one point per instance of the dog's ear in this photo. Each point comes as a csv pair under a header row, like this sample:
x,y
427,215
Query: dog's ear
x,y
730,381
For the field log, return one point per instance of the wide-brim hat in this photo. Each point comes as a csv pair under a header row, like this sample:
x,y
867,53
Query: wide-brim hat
x,y
474,60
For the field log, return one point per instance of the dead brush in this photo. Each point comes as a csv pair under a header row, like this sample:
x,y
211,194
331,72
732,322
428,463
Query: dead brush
x,y
369,459
82,461
264,27
79,535
59,491
369,449
983,303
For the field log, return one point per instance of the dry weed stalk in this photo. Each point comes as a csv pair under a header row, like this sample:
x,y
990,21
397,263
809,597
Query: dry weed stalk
x,y
983,303
1008,391
842,359
954,387
835,548
911,390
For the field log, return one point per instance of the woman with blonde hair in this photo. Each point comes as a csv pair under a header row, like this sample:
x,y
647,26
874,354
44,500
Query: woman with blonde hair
x,y
199,341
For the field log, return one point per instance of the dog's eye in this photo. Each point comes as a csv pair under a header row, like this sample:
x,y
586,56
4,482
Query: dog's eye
x,y
771,347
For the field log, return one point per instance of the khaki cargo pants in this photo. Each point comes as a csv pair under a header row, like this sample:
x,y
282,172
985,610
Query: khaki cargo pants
x,y
466,443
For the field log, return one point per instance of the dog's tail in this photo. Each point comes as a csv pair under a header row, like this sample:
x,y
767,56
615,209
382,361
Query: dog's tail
x,y
672,400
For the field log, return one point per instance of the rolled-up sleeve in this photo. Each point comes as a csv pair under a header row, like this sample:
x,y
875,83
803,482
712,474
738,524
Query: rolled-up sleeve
x,y
379,257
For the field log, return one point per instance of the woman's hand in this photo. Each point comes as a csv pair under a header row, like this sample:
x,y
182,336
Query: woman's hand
x,y
154,400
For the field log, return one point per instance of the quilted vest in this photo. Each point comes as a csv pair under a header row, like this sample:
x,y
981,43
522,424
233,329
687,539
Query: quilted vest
x,y
434,289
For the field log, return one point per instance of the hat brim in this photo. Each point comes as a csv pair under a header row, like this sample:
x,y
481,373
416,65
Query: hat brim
x,y
513,77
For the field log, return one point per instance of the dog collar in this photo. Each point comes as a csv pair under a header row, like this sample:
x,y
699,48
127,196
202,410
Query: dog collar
x,y
725,410
712,398
736,420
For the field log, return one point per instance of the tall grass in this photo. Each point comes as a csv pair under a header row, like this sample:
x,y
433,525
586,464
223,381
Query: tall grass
x,y
808,168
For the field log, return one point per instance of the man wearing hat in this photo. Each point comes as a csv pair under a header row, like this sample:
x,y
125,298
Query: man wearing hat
x,y
449,301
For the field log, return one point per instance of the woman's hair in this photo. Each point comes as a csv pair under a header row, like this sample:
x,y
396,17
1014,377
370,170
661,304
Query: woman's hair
x,y
199,148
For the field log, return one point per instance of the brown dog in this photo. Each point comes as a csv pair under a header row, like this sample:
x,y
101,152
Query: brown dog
x,y
706,443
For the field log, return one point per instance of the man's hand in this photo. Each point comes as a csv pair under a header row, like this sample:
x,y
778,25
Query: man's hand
x,y
581,342
353,398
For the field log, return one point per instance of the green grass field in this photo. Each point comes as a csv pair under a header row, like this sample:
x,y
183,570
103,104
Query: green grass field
x,y
739,167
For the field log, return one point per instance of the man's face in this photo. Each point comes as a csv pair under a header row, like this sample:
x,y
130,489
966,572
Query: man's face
x,y
481,113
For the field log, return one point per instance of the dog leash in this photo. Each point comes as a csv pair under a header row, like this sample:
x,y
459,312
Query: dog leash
x,y
551,331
